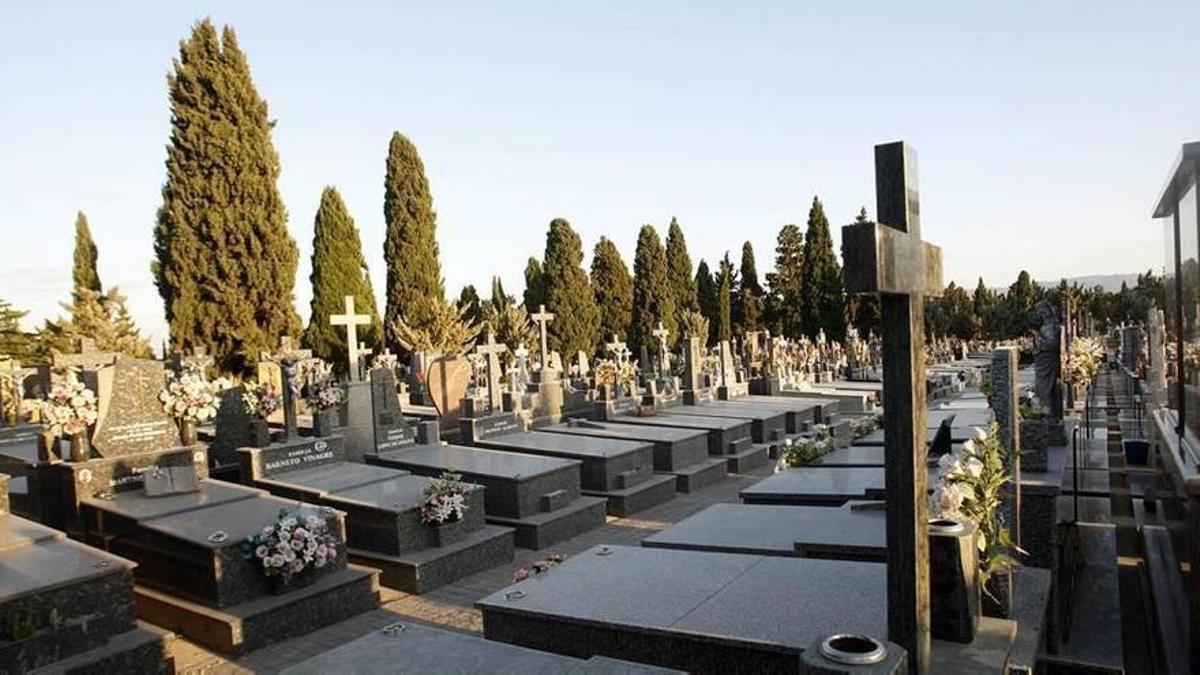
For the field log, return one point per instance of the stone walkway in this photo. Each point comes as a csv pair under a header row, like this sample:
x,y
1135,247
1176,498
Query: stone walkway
x,y
452,606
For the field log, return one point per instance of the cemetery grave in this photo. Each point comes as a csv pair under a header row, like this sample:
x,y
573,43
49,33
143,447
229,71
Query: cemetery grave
x,y
539,497
728,438
621,472
67,606
682,453
382,507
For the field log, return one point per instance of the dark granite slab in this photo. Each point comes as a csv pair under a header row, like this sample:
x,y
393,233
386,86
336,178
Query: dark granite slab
x,y
53,564
724,433
417,649
334,477
789,531
860,456
135,506
675,450
816,486
767,423
16,532
700,612
478,461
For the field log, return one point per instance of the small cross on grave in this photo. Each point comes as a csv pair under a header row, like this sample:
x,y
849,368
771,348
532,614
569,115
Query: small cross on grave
x,y
289,358
661,334
889,259
492,350
617,348
354,348
88,357
542,317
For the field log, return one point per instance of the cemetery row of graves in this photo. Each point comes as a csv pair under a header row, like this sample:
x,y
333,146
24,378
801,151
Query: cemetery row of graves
x,y
906,510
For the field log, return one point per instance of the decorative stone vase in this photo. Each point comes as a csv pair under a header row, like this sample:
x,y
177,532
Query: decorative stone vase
x,y
324,421
998,595
260,433
187,432
446,533
81,447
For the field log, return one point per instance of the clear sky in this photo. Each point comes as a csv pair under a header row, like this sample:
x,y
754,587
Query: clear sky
x,y
1044,129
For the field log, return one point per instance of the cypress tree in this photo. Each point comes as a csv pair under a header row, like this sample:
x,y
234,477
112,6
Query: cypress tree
x,y
824,305
102,317
653,300
499,297
535,285
748,311
613,289
338,269
568,293
14,342
225,264
706,298
410,249
679,271
84,274
725,282
470,304
787,280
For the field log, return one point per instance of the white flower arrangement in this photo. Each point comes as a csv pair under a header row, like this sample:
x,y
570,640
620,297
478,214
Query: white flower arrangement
x,y
261,399
969,485
190,396
325,394
293,544
387,361
805,450
70,408
445,500
1083,361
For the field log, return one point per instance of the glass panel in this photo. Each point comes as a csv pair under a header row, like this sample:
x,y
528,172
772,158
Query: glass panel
x,y
1170,274
1189,299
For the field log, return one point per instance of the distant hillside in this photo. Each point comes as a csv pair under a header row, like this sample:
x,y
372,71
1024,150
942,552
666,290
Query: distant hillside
x,y
1110,282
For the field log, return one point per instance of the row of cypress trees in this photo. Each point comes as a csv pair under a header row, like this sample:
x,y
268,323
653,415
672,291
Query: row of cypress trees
x,y
225,264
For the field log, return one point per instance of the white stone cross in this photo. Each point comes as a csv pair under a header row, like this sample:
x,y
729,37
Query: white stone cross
x,y
664,354
542,317
351,321
617,348
492,350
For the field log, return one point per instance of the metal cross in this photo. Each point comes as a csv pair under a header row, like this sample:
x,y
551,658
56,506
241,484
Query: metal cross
x,y
889,259
352,321
542,317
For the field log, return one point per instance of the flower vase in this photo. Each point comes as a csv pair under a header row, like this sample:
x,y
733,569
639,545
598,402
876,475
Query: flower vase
x,y
324,422
81,448
997,596
260,434
187,432
446,533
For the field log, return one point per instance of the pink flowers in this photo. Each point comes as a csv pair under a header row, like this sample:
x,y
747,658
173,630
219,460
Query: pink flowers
x,y
70,408
191,396
292,545
445,500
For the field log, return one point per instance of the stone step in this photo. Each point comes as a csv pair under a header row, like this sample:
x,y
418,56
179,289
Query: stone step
x,y
265,620
1093,642
747,459
699,474
145,649
660,488
430,568
540,530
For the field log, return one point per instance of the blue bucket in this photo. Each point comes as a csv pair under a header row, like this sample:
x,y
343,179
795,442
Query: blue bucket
x,y
1137,451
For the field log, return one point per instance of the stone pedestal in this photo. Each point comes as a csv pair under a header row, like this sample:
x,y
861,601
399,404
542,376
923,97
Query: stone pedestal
x,y
1005,408
1034,442
765,386
359,430
814,660
953,581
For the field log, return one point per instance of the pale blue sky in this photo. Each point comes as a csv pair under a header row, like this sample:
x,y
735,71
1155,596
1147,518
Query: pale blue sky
x,y
1044,130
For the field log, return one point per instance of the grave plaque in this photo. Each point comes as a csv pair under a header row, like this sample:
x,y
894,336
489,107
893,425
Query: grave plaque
x,y
889,259
130,417
392,431
283,457
232,426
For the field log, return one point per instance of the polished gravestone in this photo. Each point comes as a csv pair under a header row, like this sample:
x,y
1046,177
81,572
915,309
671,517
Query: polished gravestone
x,y
68,607
848,401
819,486
699,612
767,424
417,649
801,410
622,472
964,424
539,497
728,438
193,575
383,522
682,453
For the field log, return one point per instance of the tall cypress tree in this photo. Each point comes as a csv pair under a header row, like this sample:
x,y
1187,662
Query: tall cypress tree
x,y
653,300
568,293
824,305
14,342
725,282
84,275
679,270
613,289
748,311
706,298
338,269
535,285
410,249
469,302
225,264
787,280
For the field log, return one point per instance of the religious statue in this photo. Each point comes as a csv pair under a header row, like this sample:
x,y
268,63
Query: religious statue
x,y
1047,361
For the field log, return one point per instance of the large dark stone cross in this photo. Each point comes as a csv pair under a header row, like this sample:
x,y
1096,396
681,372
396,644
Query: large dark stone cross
x,y
491,351
889,259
